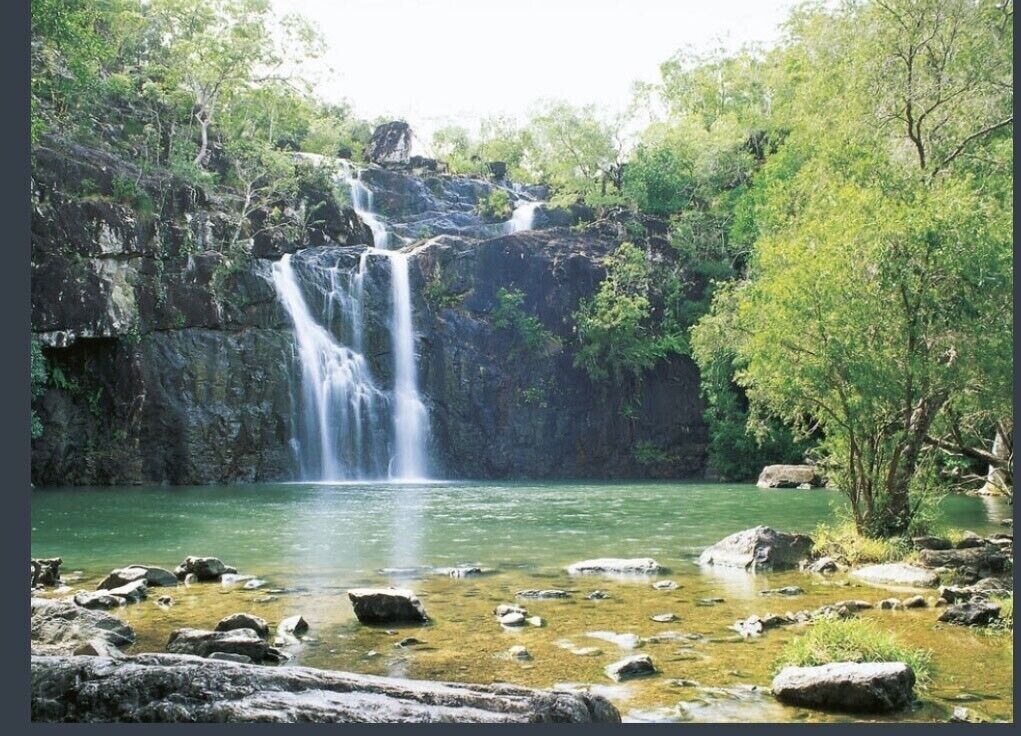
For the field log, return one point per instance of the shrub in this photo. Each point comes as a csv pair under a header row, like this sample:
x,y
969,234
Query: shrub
x,y
496,207
530,334
852,640
843,541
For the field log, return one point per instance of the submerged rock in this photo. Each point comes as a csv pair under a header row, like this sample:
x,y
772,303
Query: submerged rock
x,y
598,595
616,566
789,476
293,626
161,687
789,590
664,618
869,687
519,652
244,621
132,592
624,641
823,565
202,643
759,548
972,613
98,599
896,575
542,594
386,605
463,571
629,668
665,585
204,569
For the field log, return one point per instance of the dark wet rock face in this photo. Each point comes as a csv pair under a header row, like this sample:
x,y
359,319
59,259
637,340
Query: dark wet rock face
x,y
390,144
847,686
759,548
175,688
184,362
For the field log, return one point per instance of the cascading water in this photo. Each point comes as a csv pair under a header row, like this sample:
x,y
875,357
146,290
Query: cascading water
x,y
522,218
343,431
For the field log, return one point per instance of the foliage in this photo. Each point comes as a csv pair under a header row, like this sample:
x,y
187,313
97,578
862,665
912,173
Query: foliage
x,y
875,308
843,542
530,334
496,207
852,640
615,329
39,377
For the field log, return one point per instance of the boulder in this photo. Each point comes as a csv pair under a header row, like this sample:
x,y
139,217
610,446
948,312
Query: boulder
x,y
98,599
519,652
984,559
203,568
512,619
46,571
975,612
823,565
132,592
896,575
386,605
293,626
244,621
390,144
970,540
937,543
789,476
202,643
915,601
231,657
866,687
162,687
497,169
637,665
759,548
153,576
890,604
616,566
97,647
59,627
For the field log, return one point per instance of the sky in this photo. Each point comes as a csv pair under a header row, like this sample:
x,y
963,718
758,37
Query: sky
x,y
437,62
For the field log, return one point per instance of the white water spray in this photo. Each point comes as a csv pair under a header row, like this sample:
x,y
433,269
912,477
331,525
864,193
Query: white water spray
x,y
523,218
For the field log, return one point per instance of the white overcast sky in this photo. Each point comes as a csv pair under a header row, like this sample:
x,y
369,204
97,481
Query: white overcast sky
x,y
434,62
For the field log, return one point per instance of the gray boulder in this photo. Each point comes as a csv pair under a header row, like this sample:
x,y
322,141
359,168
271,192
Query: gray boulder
x,y
616,566
175,688
386,605
202,643
984,559
99,599
46,571
153,576
132,592
244,621
292,626
789,476
896,575
59,627
629,668
822,566
390,144
937,543
759,548
867,687
203,568
975,612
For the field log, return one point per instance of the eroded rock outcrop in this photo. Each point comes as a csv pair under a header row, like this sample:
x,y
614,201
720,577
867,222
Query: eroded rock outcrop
x,y
177,688
789,476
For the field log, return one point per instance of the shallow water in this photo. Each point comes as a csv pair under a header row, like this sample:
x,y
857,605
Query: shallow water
x,y
311,542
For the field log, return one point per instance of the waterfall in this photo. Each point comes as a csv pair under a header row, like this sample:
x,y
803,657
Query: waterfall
x,y
341,406
348,428
522,218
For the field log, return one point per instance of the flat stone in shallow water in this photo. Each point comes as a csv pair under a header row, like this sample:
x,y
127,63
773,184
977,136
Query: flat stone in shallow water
x,y
202,643
624,641
162,688
542,594
153,576
244,621
896,575
59,627
867,687
204,569
616,566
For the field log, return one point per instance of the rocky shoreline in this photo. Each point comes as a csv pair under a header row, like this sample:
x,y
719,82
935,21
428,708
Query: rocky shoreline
x,y
75,640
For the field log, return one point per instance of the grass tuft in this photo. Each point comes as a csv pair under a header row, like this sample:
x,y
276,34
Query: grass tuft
x,y
852,640
843,542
